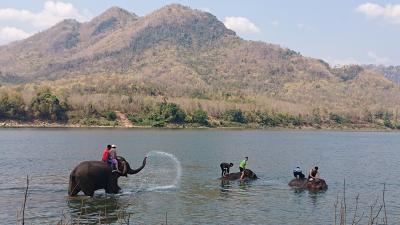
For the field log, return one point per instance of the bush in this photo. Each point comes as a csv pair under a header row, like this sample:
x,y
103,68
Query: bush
x,y
12,107
172,113
135,119
200,116
91,121
235,115
46,106
267,120
337,118
111,116
159,115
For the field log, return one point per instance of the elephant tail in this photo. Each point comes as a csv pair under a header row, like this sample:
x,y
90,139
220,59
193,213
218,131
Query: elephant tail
x,y
73,188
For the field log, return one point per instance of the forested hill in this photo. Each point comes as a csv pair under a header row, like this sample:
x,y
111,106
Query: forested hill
x,y
120,61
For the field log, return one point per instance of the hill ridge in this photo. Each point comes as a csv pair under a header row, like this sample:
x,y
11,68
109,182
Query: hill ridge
x,y
180,52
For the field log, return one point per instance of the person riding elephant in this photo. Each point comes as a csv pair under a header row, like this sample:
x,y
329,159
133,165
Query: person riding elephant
x,y
89,176
298,173
313,174
242,166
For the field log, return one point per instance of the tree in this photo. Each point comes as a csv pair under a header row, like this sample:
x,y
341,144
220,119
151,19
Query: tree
x,y
200,116
4,105
46,106
235,115
172,113
12,107
111,116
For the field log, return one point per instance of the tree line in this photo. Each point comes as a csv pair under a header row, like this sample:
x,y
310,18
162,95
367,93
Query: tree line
x,y
47,106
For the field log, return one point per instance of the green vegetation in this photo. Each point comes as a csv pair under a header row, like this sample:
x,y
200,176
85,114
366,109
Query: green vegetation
x,y
234,115
46,106
200,116
159,115
12,107
111,116
99,109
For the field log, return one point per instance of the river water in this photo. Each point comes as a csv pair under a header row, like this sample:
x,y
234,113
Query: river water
x,y
195,195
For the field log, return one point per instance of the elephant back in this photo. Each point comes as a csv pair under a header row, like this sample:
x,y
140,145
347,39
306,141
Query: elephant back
x,y
317,184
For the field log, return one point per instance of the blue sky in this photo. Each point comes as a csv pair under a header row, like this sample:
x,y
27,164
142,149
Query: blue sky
x,y
339,31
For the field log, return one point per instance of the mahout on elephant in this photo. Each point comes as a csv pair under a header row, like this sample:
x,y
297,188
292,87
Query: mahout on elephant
x,y
89,176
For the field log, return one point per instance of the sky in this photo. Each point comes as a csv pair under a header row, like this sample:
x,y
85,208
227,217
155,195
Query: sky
x,y
337,31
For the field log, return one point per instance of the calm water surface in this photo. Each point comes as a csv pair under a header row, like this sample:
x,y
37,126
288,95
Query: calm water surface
x,y
366,159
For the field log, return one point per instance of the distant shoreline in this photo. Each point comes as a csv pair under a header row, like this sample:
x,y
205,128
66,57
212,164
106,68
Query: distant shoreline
x,y
43,124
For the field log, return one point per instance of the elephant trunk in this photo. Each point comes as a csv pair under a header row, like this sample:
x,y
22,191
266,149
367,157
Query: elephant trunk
x,y
131,171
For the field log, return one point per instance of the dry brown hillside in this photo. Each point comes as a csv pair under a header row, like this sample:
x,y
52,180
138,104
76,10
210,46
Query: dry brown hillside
x,y
189,56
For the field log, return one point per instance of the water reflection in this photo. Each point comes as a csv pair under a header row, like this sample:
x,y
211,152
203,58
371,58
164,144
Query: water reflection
x,y
298,191
100,209
315,196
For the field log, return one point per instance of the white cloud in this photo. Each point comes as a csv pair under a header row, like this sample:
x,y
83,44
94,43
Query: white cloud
x,y
302,26
241,24
345,61
378,59
8,34
389,12
369,58
52,13
275,23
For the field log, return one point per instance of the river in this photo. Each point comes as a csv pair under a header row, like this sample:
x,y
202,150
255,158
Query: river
x,y
365,160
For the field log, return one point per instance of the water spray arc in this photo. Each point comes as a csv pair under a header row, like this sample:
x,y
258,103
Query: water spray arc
x,y
176,181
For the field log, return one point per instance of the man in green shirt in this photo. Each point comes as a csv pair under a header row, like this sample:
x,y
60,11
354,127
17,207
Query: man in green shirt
x,y
242,166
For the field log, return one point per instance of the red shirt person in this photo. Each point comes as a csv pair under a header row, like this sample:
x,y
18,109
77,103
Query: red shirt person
x,y
106,154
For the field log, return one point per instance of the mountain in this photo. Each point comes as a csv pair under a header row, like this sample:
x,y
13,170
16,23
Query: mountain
x,y
390,72
179,52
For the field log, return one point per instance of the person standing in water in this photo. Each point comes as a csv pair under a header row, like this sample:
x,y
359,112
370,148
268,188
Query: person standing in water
x,y
242,166
225,168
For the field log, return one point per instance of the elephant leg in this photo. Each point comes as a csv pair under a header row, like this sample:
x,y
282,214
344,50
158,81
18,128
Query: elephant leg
x,y
88,187
75,191
112,185
73,188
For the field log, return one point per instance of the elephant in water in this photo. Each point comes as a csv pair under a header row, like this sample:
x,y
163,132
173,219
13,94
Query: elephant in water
x,y
248,175
90,176
316,184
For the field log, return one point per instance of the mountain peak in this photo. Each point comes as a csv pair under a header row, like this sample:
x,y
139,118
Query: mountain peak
x,y
176,6
110,19
116,11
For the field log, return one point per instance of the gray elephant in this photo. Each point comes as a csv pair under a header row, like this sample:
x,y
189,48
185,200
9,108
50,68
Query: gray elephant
x,y
248,175
314,185
90,176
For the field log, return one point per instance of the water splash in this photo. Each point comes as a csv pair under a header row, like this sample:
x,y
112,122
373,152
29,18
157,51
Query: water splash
x,y
162,173
175,183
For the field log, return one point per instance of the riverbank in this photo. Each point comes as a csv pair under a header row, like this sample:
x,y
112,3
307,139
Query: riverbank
x,y
124,124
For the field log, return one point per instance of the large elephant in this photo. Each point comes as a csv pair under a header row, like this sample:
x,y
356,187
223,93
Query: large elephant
x,y
315,184
90,176
248,175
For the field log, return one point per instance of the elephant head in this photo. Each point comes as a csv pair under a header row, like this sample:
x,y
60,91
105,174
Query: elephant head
x,y
125,168
250,174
